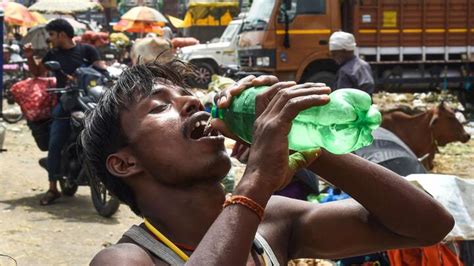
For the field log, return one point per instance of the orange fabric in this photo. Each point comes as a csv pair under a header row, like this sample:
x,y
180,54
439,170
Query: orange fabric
x,y
437,255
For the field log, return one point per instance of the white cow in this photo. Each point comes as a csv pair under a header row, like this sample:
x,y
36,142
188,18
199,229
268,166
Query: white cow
x,y
150,49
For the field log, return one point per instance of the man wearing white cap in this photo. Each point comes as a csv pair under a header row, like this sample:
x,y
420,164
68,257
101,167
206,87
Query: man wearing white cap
x,y
353,72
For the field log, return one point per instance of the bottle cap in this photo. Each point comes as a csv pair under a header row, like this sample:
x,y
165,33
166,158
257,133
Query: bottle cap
x,y
214,111
217,113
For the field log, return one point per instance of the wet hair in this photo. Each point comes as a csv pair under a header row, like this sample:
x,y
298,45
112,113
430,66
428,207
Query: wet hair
x,y
103,134
60,25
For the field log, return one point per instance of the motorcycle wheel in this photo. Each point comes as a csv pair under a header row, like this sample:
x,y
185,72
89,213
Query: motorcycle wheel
x,y
67,188
104,203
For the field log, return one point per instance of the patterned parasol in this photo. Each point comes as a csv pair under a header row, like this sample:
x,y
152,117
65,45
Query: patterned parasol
x,y
64,7
144,14
18,14
138,26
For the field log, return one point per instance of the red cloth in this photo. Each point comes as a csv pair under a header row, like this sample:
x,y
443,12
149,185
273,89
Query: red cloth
x,y
35,102
437,255
97,39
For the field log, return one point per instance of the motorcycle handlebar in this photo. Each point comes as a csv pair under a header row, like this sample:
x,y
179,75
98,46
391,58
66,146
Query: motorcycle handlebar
x,y
59,90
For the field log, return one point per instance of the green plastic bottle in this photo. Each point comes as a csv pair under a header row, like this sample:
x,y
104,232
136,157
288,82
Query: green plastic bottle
x,y
343,125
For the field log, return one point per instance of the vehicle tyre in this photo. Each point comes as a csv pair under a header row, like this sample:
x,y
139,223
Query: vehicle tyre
x,y
392,74
322,77
204,72
104,203
67,188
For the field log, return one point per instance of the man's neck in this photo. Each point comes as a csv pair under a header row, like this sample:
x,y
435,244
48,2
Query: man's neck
x,y
347,59
182,214
68,44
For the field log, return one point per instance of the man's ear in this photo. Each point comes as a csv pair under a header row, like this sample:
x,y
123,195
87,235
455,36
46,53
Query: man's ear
x,y
434,120
122,164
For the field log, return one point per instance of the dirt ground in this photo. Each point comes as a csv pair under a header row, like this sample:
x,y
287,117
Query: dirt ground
x,y
71,232
67,233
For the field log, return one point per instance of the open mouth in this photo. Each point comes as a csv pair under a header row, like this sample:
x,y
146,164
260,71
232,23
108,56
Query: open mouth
x,y
198,126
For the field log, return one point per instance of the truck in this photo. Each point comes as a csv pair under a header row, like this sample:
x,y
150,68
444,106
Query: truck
x,y
410,44
208,58
206,20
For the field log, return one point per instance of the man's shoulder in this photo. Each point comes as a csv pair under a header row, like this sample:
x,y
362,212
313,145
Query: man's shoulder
x,y
123,254
88,48
362,62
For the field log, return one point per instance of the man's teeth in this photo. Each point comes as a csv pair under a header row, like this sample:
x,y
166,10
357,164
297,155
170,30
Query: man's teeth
x,y
205,129
204,126
200,123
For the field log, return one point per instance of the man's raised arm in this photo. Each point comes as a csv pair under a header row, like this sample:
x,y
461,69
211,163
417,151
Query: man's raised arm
x,y
387,212
36,70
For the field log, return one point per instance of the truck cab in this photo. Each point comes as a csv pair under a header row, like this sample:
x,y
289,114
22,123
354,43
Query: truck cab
x,y
289,39
207,58
410,45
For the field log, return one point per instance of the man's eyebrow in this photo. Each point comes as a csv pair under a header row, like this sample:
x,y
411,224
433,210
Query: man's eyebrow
x,y
157,90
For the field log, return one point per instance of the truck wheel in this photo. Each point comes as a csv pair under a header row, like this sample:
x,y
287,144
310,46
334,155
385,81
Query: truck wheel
x,y
323,77
204,72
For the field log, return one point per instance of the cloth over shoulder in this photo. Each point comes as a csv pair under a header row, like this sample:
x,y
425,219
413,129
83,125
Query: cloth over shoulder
x,y
157,249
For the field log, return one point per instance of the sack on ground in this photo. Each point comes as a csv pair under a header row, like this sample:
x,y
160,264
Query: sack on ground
x,y
35,102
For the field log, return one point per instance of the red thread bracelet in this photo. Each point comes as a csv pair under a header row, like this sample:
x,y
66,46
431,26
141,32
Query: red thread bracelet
x,y
247,202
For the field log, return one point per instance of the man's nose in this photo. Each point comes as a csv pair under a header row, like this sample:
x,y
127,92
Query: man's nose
x,y
189,105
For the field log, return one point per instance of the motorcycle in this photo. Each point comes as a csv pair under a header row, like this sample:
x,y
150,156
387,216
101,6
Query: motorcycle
x,y
78,97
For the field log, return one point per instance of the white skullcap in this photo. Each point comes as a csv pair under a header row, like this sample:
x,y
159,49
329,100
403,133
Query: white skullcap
x,y
341,40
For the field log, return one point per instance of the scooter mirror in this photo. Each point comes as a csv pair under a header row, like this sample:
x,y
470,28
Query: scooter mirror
x,y
52,65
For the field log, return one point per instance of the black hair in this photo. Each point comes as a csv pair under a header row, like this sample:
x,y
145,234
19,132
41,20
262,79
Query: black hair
x,y
103,134
60,25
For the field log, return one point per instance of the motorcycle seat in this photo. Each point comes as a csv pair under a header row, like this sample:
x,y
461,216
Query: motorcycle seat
x,y
78,117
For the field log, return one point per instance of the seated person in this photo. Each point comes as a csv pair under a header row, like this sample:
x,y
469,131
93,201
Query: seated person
x,y
148,143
